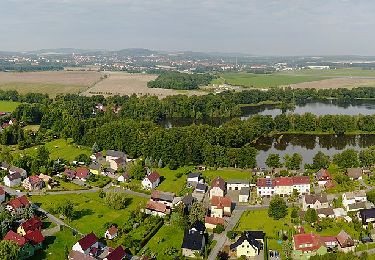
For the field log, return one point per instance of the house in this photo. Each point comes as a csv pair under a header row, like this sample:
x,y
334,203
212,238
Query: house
x,y
112,155
117,164
2,194
258,172
307,245
29,225
201,188
26,249
301,184
353,197
244,195
111,233
117,254
194,240
193,179
325,213
95,168
97,157
188,201
70,174
151,181
249,244
212,222
12,180
33,183
82,173
315,201
17,205
323,177
4,166
356,206
217,187
346,243
367,216
330,242
265,187
163,197
354,173
283,186
123,177
221,206
156,209
45,178
237,184
87,245
36,238
14,169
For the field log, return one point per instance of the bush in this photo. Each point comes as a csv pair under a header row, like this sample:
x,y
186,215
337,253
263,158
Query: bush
x,y
116,200
219,229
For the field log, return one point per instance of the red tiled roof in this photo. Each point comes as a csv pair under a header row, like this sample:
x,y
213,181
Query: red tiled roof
x,y
34,179
69,172
283,181
35,237
116,254
265,182
311,242
297,180
82,172
323,175
218,182
13,236
160,207
328,239
112,230
221,201
32,224
2,192
87,241
214,221
19,202
154,176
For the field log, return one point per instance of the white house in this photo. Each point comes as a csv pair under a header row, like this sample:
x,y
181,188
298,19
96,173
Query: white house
x,y
163,197
265,187
314,201
87,245
244,195
111,233
14,170
217,187
237,184
12,180
193,179
123,177
151,181
353,197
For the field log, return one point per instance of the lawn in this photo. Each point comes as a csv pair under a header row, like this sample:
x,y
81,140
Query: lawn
x,y
349,72
228,173
61,148
8,106
55,245
92,212
264,80
170,182
168,236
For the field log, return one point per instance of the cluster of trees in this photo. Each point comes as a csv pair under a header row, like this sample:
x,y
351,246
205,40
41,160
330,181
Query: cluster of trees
x,y
178,80
292,162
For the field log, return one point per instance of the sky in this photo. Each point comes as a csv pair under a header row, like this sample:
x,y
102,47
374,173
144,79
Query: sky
x,y
257,27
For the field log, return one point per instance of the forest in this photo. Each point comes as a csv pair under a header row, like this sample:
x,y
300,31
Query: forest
x,y
178,80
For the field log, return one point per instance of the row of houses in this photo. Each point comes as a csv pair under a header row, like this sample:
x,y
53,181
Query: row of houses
x,y
283,186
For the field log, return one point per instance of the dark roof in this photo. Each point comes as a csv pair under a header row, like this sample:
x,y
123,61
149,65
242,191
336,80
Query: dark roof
x,y
312,198
354,172
201,186
248,236
161,195
325,211
14,176
114,153
95,166
218,182
32,224
13,236
87,241
367,213
75,255
193,238
188,199
357,205
198,226
344,239
116,254
194,175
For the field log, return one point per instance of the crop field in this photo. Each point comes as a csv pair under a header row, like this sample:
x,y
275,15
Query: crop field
x,y
49,82
338,78
122,83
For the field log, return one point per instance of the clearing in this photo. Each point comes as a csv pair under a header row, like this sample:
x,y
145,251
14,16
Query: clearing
x,y
8,106
49,82
123,83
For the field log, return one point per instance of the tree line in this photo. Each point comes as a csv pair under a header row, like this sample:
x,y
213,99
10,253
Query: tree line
x,y
178,80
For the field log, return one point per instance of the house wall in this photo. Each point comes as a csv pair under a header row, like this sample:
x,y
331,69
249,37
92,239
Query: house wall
x,y
209,226
246,249
216,191
283,190
215,212
265,191
302,189
13,183
237,186
243,198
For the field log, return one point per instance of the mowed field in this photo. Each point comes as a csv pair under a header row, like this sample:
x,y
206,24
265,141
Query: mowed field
x,y
122,83
49,82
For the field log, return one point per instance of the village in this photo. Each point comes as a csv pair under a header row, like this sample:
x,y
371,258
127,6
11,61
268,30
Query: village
x,y
269,214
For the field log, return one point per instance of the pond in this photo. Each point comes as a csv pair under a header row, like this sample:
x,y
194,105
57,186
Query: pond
x,y
308,145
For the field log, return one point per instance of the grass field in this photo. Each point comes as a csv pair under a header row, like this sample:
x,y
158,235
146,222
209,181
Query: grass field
x,y
8,106
92,212
168,236
351,72
60,148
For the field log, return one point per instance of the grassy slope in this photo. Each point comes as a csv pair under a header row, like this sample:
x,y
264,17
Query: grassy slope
x,y
8,106
93,212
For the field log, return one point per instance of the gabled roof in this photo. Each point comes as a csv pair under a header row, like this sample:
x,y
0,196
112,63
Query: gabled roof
x,y
95,166
153,177
354,172
32,224
13,236
312,198
265,182
34,180
352,195
161,195
357,206
283,181
19,202
323,174
193,238
70,173
312,240
156,206
367,213
82,172
188,199
235,181
87,241
16,169
117,254
194,175
75,255
112,230
221,202
218,182
344,239
35,237
245,191
298,180
201,186
14,176
114,153
246,236
325,211
214,221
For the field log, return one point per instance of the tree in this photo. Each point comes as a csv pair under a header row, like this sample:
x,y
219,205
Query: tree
x,y
347,159
83,158
9,250
320,160
6,155
278,208
294,213
66,208
197,212
219,229
311,216
137,171
293,162
116,200
273,160
95,148
371,196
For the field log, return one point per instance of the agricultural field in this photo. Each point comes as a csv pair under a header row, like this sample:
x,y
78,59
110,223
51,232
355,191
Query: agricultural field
x,y
91,211
49,82
122,83
308,78
8,106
